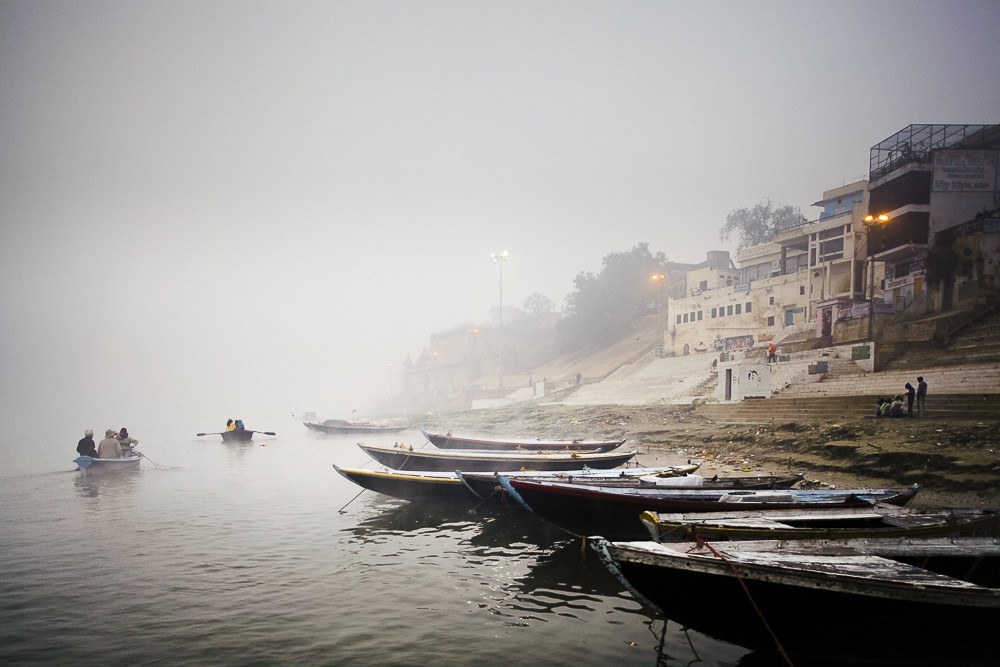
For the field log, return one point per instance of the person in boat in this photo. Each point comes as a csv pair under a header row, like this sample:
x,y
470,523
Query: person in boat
x,y
239,425
87,446
230,425
127,442
109,447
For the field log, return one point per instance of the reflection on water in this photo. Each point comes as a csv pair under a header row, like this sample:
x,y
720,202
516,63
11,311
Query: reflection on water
x,y
112,484
239,554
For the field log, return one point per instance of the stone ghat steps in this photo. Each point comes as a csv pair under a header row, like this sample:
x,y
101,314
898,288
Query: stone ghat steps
x,y
971,406
969,379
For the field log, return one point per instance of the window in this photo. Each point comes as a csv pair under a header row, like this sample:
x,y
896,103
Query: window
x,y
678,319
729,311
738,308
770,321
699,316
770,300
722,311
703,285
715,313
749,306
685,317
802,289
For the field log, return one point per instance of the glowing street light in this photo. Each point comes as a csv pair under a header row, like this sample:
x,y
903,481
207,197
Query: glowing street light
x,y
658,278
499,258
872,222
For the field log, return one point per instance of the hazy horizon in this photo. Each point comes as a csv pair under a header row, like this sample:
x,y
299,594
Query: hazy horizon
x,y
250,209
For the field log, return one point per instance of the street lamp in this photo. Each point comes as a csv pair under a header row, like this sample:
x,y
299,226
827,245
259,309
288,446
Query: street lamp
x,y
499,258
872,222
658,279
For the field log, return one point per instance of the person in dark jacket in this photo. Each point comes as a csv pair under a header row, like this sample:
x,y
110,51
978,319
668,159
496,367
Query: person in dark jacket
x,y
921,395
910,395
87,446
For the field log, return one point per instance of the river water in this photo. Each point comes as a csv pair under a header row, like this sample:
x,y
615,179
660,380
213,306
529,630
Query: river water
x,y
260,554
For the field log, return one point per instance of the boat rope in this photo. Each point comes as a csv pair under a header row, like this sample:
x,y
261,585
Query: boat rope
x,y
700,541
600,547
484,500
341,510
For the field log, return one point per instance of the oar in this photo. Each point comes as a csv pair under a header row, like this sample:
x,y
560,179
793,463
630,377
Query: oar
x,y
155,464
208,434
266,432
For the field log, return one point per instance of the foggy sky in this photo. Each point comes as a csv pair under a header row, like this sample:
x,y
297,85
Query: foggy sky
x,y
222,209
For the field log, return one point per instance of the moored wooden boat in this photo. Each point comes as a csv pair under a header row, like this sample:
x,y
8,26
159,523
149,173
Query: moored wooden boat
x,y
89,465
839,601
881,521
450,440
405,458
414,486
614,512
671,477
334,426
485,483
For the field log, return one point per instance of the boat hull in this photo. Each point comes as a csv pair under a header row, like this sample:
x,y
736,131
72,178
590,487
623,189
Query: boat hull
x,y
877,522
614,513
92,466
830,614
452,441
418,486
484,484
347,428
450,460
237,436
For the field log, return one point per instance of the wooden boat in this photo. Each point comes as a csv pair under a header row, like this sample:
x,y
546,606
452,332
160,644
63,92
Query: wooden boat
x,y
880,521
839,601
614,512
89,465
469,487
417,485
407,458
238,435
341,426
671,477
450,440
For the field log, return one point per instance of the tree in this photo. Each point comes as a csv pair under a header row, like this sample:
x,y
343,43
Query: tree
x,y
758,224
602,307
538,303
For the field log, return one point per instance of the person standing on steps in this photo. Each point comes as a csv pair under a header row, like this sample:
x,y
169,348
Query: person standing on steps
x,y
921,395
910,392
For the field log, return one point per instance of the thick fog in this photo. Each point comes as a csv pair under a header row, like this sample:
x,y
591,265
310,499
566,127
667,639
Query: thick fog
x,y
251,209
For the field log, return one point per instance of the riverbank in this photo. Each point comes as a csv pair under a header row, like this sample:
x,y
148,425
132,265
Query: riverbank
x,y
956,462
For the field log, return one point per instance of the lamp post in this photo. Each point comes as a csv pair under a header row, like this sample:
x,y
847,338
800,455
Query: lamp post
x,y
658,279
872,222
499,258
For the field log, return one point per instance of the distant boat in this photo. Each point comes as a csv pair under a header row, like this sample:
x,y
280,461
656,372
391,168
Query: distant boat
x,y
238,435
450,440
342,426
614,512
849,523
406,458
89,465
900,601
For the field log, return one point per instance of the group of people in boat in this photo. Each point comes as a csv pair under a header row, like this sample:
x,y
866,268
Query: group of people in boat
x,y
115,445
234,425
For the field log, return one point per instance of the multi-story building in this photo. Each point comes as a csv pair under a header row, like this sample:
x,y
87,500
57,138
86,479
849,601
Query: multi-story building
x,y
798,283
928,179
